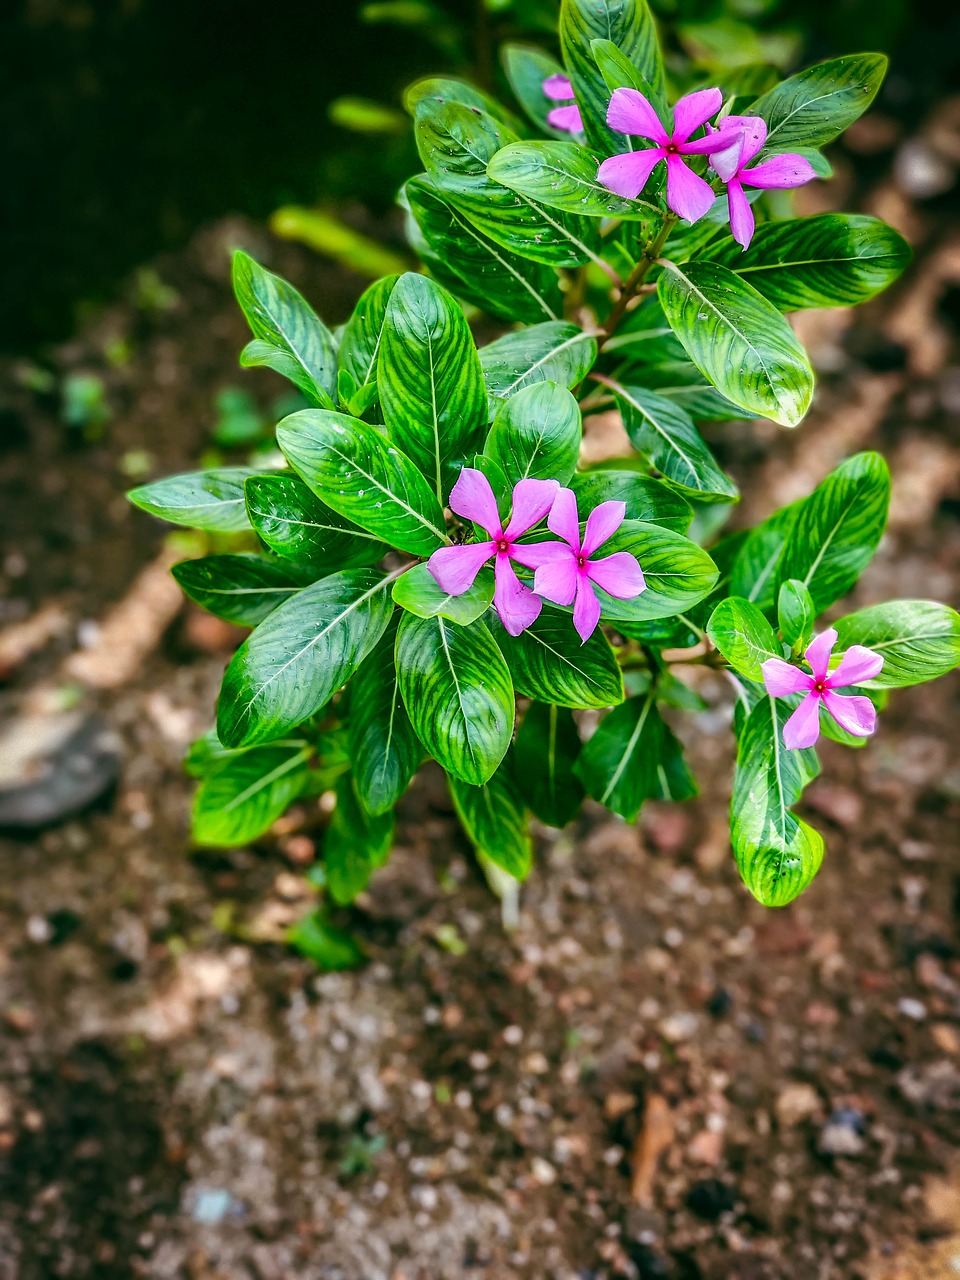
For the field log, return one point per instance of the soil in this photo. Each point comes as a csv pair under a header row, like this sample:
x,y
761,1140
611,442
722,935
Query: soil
x,y
652,1077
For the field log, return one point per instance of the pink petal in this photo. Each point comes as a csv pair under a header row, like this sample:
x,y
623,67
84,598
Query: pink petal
x,y
742,221
472,498
602,523
803,727
856,714
687,195
627,174
558,88
780,678
586,610
456,567
856,665
514,602
566,118
535,554
532,499
558,580
753,134
727,162
630,112
779,171
818,653
619,575
693,110
563,519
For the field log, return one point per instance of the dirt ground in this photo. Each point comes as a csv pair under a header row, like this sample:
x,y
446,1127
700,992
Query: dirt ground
x,y
652,1078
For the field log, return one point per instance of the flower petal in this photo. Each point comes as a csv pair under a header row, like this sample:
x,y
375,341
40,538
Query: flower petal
x,y
627,174
857,664
781,678
513,600
856,713
472,498
818,653
619,575
693,110
803,727
586,610
727,162
558,88
742,221
568,119
779,171
752,131
687,195
532,499
456,567
534,554
563,519
558,580
602,523
630,112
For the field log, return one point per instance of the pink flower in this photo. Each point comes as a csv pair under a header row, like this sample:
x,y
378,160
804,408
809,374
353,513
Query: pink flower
x,y
627,174
559,89
567,572
745,137
855,714
456,567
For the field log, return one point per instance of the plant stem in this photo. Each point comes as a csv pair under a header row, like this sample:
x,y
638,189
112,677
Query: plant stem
x,y
651,252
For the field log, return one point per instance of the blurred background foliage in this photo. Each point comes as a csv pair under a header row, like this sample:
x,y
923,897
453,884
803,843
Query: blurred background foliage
x,y
128,123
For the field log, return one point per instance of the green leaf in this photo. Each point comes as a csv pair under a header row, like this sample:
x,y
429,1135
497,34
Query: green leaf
x,y
547,661
418,591
243,795
288,336
618,765
744,636
503,283
356,843
557,351
675,782
458,693
666,434
536,434
918,640
629,25
456,144
209,500
431,387
526,67
363,332
384,750
293,523
796,614
299,656
738,340
494,818
352,469
777,854
833,260
562,175
814,107
837,529
678,573
645,499
436,91
241,588
754,571
546,748
327,946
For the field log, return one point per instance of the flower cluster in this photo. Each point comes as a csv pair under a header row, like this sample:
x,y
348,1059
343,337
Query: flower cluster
x,y
855,713
731,146
565,572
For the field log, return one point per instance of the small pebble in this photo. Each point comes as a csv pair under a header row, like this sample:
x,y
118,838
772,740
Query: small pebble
x,y
543,1171
916,1010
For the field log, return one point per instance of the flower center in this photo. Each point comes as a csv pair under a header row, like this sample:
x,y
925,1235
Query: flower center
x,y
582,561
672,149
503,546
819,686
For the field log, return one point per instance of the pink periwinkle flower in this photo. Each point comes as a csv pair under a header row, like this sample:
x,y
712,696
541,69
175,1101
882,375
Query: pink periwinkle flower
x,y
455,568
568,573
559,89
745,137
629,112
854,713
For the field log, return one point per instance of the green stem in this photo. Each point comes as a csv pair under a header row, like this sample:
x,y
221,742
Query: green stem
x,y
651,252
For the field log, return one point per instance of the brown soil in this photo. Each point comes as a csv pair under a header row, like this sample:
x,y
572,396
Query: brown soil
x,y
652,1077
